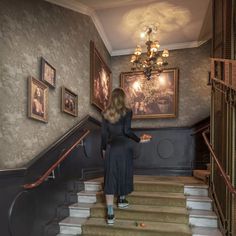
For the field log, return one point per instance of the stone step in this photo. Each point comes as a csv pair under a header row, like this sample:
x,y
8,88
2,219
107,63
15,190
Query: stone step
x,y
196,190
142,198
149,186
93,186
145,212
71,225
199,203
66,234
157,199
80,209
203,218
204,231
90,196
99,227
158,186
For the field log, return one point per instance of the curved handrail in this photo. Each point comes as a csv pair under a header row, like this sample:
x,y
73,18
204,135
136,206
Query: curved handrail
x,y
53,167
222,172
200,129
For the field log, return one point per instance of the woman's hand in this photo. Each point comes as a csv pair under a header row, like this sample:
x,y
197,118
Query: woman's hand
x,y
145,138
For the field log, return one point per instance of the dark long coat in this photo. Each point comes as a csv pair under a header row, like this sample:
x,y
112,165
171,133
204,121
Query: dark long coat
x,y
118,164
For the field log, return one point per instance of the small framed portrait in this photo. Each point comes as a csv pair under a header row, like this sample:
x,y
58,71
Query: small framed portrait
x,y
48,73
37,100
69,102
154,98
100,79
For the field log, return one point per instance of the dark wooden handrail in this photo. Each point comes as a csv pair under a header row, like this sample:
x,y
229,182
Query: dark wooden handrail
x,y
222,172
54,166
200,129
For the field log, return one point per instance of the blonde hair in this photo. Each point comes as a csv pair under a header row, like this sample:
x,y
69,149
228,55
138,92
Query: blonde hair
x,y
117,107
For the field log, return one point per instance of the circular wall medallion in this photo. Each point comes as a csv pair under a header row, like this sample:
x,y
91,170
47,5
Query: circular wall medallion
x,y
165,148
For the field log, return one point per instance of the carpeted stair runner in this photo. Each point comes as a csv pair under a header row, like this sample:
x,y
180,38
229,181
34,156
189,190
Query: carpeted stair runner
x,y
97,226
156,208
159,206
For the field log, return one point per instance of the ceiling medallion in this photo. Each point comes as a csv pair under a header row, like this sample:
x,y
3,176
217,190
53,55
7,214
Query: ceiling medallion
x,y
154,59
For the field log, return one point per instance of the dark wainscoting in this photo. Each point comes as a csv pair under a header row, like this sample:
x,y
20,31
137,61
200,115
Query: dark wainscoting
x,y
36,212
170,152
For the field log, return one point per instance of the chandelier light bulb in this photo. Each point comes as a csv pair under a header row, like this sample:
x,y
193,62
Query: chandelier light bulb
x,y
154,47
133,59
138,50
165,53
157,44
159,61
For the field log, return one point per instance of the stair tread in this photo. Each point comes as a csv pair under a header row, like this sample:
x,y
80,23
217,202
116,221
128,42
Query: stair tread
x,y
90,193
205,231
158,194
65,235
93,182
81,205
73,221
197,186
198,198
146,208
202,214
158,183
131,225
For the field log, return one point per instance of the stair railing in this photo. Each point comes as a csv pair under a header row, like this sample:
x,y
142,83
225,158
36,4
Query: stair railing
x,y
205,127
220,168
42,178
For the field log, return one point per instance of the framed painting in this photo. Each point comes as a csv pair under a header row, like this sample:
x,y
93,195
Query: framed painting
x,y
69,102
100,79
48,73
155,98
37,100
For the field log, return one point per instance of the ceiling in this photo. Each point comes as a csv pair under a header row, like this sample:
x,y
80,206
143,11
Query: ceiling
x,y
181,23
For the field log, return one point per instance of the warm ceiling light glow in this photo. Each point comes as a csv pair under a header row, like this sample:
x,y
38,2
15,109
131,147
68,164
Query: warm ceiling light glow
x,y
142,35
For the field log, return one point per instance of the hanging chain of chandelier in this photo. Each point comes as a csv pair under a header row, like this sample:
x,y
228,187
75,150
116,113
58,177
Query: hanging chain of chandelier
x,y
154,59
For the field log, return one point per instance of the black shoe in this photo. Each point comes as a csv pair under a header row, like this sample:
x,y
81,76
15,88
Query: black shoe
x,y
123,203
110,219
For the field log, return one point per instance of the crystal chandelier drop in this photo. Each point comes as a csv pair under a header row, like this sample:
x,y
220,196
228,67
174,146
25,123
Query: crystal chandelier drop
x,y
154,59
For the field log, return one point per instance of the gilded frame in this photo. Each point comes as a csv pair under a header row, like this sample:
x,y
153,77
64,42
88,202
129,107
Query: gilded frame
x,y
100,79
155,98
69,102
37,100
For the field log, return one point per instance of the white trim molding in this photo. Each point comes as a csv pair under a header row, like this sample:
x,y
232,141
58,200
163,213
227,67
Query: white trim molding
x,y
193,44
81,8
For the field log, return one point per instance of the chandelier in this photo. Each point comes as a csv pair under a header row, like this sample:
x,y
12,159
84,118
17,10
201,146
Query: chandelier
x,y
154,59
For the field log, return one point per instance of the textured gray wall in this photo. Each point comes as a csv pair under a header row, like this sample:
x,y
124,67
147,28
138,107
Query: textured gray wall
x,y
194,94
30,29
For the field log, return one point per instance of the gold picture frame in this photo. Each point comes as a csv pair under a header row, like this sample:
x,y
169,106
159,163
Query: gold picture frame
x,y
69,102
48,73
100,79
154,98
37,100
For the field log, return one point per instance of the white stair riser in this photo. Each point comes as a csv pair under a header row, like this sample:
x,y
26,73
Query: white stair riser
x,y
205,231
203,222
196,191
92,187
79,213
64,229
87,199
199,205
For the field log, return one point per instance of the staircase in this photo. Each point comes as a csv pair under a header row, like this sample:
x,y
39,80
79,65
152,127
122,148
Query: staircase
x,y
159,206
